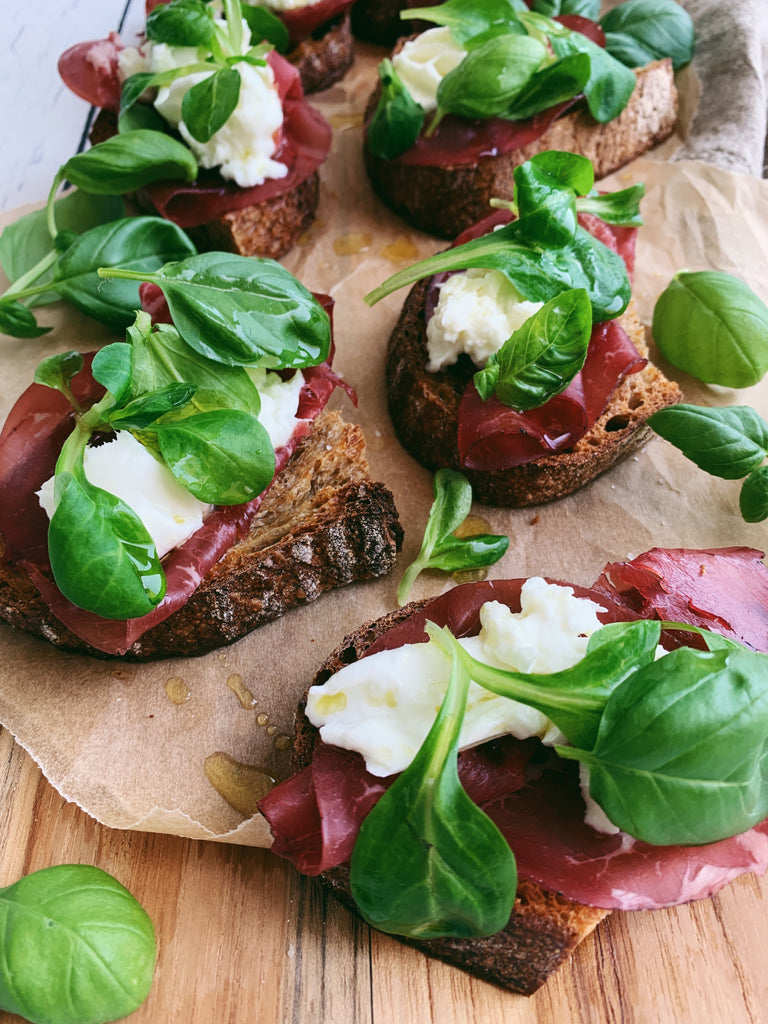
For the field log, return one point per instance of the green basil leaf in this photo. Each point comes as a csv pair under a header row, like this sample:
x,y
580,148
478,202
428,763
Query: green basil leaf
x,y
713,326
26,242
727,442
490,78
265,25
615,207
440,549
64,239
18,321
551,85
242,311
111,367
76,947
102,557
543,356
57,371
206,107
181,23
140,116
465,20
753,499
141,412
640,31
223,457
610,82
568,170
398,118
128,162
447,870
553,8
705,775
139,243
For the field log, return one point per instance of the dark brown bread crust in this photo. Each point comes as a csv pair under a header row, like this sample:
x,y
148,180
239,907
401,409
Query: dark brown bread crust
x,y
323,523
544,928
378,21
424,408
445,200
268,229
326,56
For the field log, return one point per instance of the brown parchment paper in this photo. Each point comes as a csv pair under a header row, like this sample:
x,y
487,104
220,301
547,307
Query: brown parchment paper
x,y
131,743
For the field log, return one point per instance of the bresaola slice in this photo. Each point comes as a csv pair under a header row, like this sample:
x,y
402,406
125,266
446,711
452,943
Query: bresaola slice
x,y
543,819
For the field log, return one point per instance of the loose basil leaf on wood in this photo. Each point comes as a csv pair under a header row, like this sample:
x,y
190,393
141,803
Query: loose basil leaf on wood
x,y
681,756
76,947
574,698
398,118
26,242
145,410
242,311
102,557
489,79
223,457
111,367
640,31
713,326
543,356
265,25
128,162
181,23
427,861
207,106
440,549
19,322
57,372
753,499
465,20
728,442
137,243
551,85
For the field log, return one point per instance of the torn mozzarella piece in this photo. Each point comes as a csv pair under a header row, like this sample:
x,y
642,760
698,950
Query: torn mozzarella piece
x,y
424,62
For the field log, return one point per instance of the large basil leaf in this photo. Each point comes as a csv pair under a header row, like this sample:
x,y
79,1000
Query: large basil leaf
x,y
681,756
242,310
138,243
223,457
610,82
398,118
128,162
27,241
713,326
446,869
76,946
543,356
727,442
101,555
640,31
551,85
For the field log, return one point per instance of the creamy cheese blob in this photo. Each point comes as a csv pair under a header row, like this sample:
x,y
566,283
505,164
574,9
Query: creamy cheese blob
x,y
383,706
125,468
424,62
243,148
476,312
279,401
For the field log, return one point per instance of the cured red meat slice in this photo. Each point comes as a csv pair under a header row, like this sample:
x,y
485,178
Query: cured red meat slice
x,y
90,70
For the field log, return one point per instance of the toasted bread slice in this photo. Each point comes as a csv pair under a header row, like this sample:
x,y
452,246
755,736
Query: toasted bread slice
x,y
444,200
379,21
323,523
325,56
544,928
425,406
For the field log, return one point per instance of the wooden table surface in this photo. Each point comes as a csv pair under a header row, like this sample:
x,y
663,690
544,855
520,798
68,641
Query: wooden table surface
x,y
242,938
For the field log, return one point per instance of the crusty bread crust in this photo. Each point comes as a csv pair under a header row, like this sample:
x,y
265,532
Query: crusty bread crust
x,y
424,408
323,523
378,21
326,56
544,928
444,200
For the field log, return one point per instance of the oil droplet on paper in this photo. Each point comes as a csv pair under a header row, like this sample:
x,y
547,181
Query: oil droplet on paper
x,y
241,785
354,242
177,690
402,250
471,527
281,742
241,691
262,718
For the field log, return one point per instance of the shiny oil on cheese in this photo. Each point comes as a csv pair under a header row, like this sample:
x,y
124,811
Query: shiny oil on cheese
x,y
424,62
476,312
383,706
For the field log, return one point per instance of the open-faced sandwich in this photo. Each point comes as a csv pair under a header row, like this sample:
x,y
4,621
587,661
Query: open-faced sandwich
x,y
460,105
589,754
234,101
170,493
518,357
